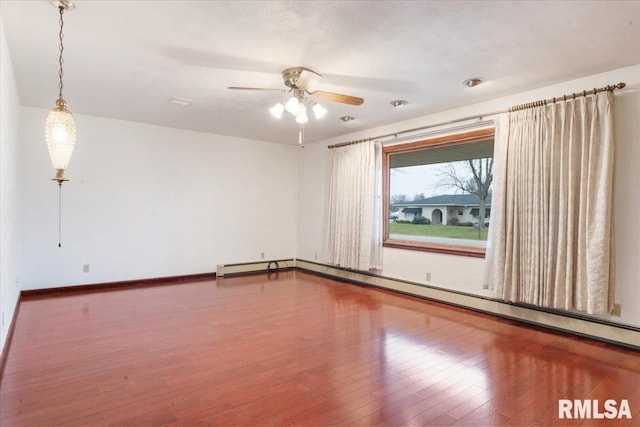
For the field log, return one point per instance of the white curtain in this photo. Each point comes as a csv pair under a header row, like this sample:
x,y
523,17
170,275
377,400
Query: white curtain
x,y
354,231
552,242
501,135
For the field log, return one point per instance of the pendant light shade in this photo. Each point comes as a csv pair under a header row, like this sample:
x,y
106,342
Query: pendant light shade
x,y
319,111
301,115
60,131
292,105
276,110
302,118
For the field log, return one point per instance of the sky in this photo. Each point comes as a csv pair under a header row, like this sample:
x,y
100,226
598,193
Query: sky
x,y
412,180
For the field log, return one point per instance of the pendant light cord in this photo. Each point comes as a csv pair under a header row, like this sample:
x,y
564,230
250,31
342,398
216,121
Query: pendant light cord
x,y
60,60
60,215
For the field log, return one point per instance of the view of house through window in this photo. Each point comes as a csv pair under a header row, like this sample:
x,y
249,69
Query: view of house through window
x,y
439,191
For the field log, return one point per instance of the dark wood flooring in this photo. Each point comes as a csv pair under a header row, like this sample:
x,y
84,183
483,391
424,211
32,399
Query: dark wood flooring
x,y
296,350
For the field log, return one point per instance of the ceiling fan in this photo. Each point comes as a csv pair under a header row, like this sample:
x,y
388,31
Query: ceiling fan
x,y
297,79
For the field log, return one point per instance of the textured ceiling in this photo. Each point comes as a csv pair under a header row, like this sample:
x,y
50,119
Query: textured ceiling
x,y
125,59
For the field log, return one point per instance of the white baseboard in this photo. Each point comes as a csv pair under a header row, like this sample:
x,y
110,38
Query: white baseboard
x,y
625,335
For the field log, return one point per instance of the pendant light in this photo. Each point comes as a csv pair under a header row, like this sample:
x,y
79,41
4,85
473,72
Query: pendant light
x,y
60,128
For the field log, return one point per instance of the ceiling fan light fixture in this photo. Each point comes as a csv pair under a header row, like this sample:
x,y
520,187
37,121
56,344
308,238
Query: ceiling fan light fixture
x,y
472,82
319,111
276,110
301,116
292,105
300,98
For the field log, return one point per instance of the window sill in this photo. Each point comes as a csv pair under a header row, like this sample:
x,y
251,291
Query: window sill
x,y
436,248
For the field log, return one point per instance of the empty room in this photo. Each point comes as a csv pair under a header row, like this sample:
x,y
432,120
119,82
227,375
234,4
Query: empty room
x,y
319,213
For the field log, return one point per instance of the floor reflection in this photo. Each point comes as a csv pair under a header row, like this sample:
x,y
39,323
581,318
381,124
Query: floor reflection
x,y
431,371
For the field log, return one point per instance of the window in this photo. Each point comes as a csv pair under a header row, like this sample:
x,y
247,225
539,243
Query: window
x,y
440,189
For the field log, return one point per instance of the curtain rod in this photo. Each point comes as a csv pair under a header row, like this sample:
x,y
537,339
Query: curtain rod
x,y
609,88
573,95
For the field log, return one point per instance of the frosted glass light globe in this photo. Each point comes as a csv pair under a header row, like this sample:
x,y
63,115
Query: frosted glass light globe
x,y
60,132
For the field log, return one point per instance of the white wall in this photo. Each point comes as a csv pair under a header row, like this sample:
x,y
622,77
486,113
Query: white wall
x,y
147,201
9,194
463,273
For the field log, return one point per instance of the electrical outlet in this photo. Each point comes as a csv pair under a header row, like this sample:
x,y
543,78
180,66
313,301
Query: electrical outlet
x,y
85,268
485,286
617,310
428,278
262,255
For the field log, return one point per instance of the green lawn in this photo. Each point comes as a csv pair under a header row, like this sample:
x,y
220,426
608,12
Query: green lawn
x,y
451,231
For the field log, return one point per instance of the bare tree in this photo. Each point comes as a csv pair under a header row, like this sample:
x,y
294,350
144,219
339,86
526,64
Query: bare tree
x,y
418,196
398,198
475,177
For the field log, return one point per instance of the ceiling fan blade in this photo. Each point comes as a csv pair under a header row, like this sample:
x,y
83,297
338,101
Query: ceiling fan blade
x,y
255,88
337,97
307,78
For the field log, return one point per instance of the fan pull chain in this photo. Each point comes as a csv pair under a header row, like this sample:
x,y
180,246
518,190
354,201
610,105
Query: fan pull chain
x,y
301,136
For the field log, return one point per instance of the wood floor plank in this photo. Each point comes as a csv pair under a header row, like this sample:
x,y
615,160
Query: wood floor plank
x,y
299,350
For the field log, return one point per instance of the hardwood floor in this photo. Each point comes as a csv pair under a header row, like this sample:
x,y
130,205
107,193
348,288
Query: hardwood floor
x,y
298,350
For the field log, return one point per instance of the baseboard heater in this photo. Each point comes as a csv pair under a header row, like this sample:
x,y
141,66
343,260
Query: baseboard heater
x,y
226,270
616,333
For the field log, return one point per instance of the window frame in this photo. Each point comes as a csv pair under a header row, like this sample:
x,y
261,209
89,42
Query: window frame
x,y
426,144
